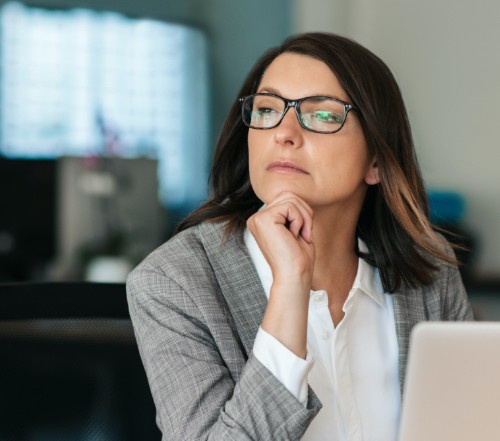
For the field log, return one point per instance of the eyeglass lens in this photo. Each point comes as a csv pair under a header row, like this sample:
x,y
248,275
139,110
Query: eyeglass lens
x,y
317,113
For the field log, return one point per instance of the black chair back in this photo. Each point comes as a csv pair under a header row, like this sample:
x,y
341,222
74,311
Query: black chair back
x,y
70,368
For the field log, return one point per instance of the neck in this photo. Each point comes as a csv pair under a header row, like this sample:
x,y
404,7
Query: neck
x,y
336,261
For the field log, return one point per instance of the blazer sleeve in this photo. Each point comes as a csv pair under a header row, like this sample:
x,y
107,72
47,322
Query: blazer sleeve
x,y
195,393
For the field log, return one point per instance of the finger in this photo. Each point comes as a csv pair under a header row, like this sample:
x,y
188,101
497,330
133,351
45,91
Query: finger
x,y
289,196
285,214
302,224
295,219
290,211
305,209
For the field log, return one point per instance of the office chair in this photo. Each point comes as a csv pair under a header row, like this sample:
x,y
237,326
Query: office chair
x,y
69,365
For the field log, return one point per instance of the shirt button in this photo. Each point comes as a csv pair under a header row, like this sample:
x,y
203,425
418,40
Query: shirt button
x,y
318,297
325,335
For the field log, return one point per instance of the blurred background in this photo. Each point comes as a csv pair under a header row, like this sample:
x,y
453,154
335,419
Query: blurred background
x,y
109,112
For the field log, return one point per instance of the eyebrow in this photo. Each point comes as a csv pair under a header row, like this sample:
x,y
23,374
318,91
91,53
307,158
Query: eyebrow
x,y
276,92
268,90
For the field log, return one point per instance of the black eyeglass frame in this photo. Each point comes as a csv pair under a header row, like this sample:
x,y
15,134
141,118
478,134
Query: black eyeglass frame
x,y
295,104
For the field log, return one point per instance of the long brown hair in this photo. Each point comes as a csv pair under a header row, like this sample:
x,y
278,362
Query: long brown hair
x,y
394,219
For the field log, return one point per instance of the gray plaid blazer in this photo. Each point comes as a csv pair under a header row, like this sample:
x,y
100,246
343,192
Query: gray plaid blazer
x,y
196,304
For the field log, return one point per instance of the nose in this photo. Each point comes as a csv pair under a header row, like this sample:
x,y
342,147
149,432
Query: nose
x,y
289,131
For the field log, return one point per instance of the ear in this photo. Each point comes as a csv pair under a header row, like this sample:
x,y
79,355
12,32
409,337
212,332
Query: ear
x,y
372,177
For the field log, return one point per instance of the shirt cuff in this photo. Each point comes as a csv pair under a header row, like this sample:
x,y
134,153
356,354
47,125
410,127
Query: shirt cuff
x,y
289,369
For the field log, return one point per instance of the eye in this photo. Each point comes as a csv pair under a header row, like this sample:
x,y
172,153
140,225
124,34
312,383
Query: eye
x,y
322,113
266,105
326,116
265,110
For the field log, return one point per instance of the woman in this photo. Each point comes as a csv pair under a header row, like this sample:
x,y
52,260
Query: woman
x,y
296,285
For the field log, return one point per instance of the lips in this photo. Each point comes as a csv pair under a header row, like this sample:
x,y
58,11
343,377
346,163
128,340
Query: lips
x,y
285,166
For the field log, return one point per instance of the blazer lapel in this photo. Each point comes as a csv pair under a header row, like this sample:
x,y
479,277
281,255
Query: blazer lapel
x,y
238,280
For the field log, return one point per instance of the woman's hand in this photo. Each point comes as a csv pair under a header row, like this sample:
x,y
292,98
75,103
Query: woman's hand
x,y
283,231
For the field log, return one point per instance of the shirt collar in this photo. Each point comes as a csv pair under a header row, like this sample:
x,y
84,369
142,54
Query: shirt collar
x,y
367,277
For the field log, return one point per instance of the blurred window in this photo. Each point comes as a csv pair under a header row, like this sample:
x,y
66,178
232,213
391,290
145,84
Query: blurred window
x,y
85,83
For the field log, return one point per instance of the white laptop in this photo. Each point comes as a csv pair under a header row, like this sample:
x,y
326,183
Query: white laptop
x,y
452,388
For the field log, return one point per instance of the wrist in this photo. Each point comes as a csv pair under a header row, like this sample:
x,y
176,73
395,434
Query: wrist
x,y
287,323
296,280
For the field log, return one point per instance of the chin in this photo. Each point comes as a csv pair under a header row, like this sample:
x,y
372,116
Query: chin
x,y
270,194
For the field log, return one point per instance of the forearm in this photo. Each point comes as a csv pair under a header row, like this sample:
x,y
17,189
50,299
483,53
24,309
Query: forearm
x,y
261,408
286,316
290,370
283,232
203,388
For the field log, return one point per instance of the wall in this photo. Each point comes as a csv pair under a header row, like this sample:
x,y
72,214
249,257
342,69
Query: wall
x,y
444,55
239,32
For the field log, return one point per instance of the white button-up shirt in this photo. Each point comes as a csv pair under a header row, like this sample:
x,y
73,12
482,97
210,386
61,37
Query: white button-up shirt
x,y
353,368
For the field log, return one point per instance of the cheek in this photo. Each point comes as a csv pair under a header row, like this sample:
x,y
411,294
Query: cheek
x,y
341,167
255,150
253,141
253,156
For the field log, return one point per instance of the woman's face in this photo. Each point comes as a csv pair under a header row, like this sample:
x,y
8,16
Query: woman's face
x,y
326,170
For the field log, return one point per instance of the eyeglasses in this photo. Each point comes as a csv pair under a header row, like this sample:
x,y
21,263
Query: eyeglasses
x,y
319,114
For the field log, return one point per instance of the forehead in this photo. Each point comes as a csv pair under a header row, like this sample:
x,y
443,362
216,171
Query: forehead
x,y
295,76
